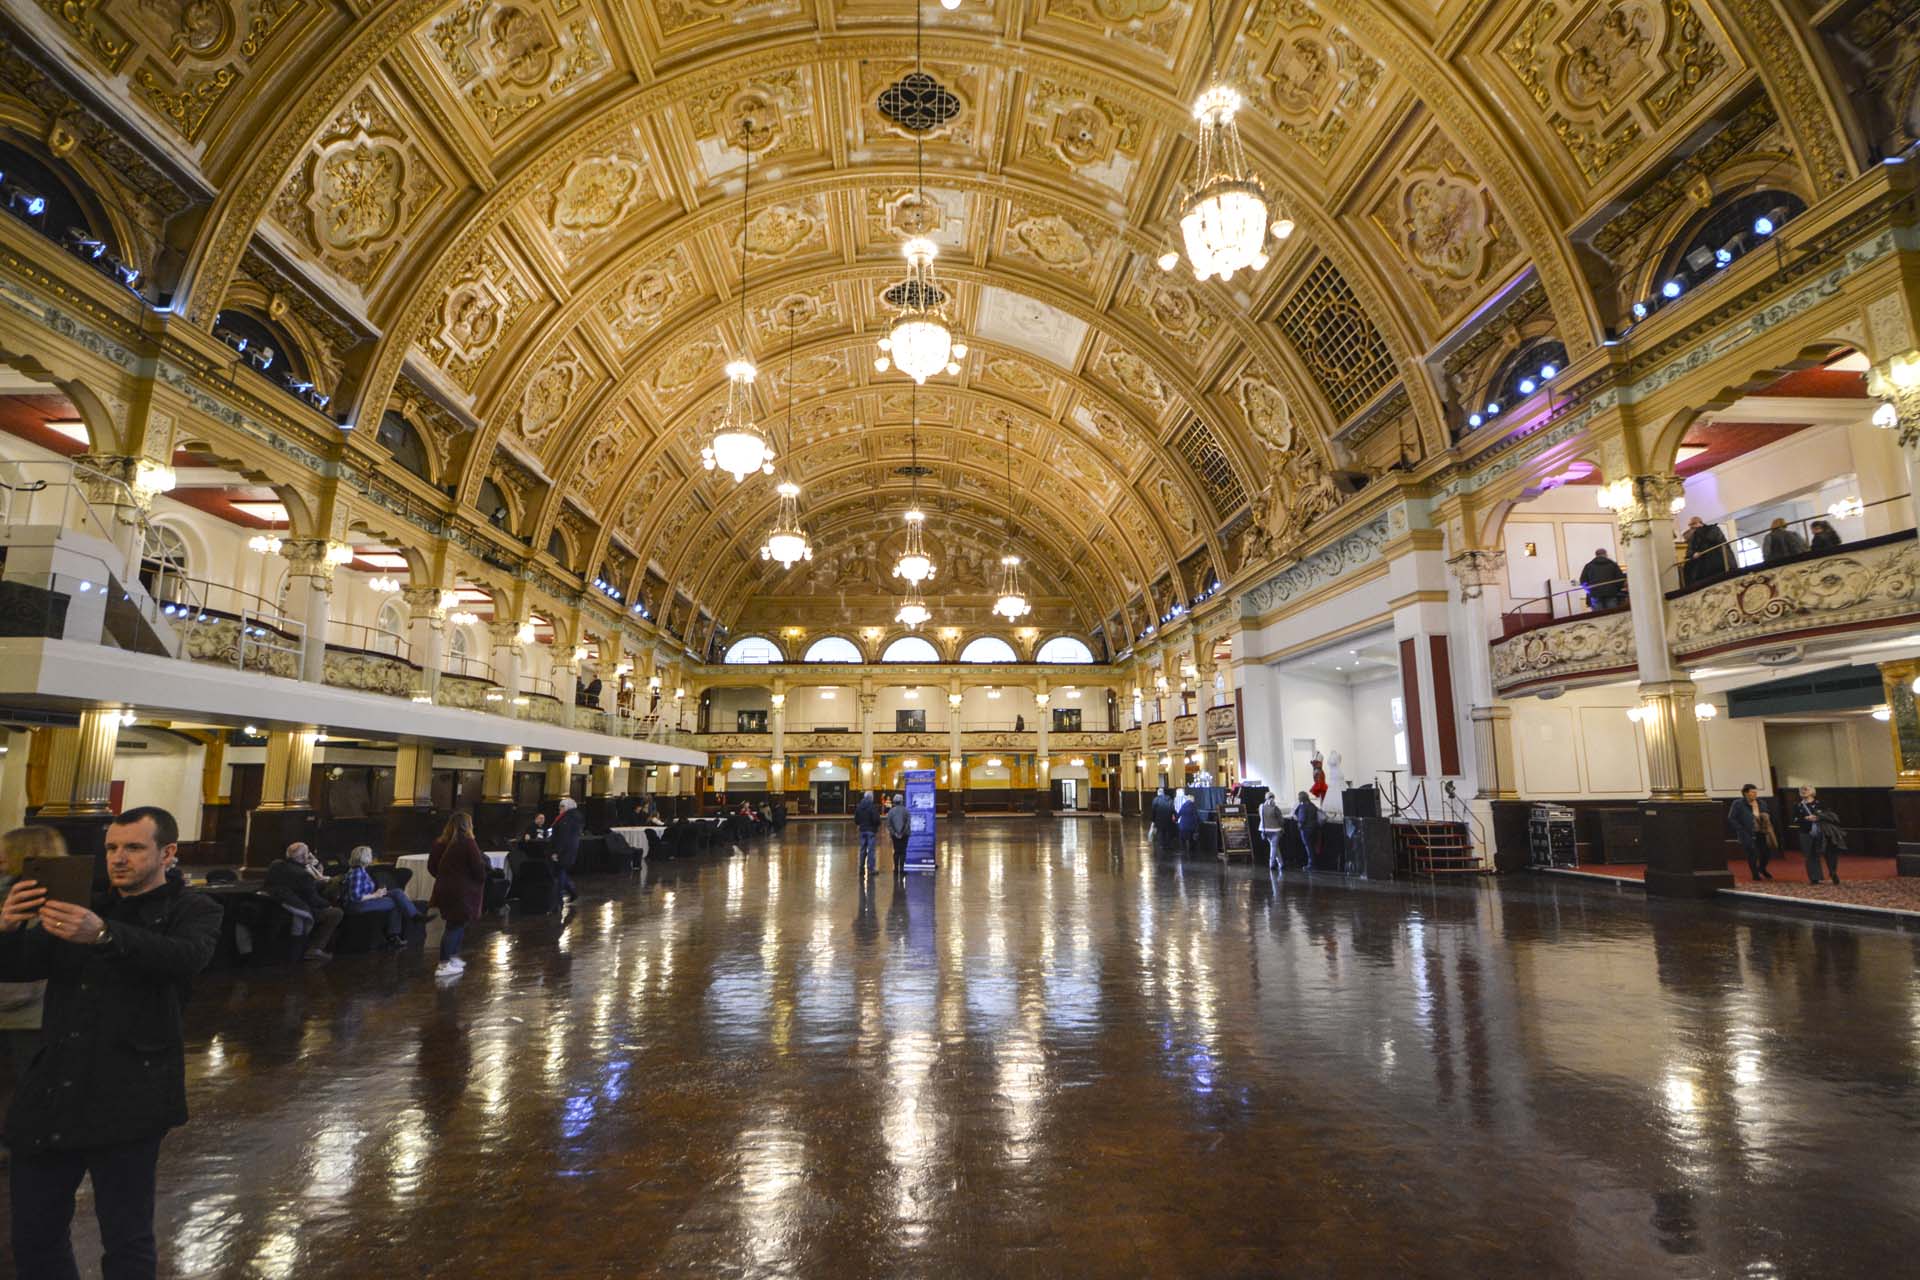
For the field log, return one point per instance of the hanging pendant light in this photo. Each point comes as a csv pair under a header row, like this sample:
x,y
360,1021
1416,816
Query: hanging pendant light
x,y
739,447
787,542
919,341
913,611
1226,217
914,566
1012,603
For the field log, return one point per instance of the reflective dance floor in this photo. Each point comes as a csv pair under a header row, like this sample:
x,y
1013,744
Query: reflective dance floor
x,y
1061,1054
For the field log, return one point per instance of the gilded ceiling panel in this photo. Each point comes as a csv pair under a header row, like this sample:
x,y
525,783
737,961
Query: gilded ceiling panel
x,y
1148,30
1166,303
1068,129
652,295
677,376
614,188
551,393
1442,228
1608,80
675,25
1103,429
1314,82
488,298
362,188
962,123
781,230
187,63
1061,243
1012,375
508,64
773,117
615,439
1133,379
891,214
1167,497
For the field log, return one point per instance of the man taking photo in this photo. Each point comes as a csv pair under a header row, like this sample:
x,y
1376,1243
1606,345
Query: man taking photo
x,y
112,1078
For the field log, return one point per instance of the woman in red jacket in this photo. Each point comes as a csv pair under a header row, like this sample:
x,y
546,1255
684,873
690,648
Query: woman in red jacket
x,y
459,872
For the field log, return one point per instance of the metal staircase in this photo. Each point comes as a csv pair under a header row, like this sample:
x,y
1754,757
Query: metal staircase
x,y
1431,848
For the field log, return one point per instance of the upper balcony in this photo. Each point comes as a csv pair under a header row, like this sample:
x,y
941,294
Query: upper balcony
x,y
1766,611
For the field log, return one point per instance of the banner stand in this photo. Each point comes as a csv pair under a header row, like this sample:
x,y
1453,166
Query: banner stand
x,y
920,812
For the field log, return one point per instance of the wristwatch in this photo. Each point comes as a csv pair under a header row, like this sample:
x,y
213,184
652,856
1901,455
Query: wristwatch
x,y
106,936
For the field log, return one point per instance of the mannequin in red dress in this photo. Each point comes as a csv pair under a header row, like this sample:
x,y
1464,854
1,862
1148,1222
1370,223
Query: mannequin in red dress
x,y
1319,788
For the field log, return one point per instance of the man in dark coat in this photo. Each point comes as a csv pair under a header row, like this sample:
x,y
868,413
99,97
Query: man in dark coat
x,y
566,845
866,820
112,1078
1707,553
294,880
1189,824
1605,581
1306,819
1163,817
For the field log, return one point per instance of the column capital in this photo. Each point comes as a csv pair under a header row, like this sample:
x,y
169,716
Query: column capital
x,y
1640,503
1897,381
309,558
1477,568
423,602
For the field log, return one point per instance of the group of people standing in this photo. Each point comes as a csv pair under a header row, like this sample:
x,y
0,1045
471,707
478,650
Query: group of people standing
x,y
1822,837
1176,821
869,816
1706,555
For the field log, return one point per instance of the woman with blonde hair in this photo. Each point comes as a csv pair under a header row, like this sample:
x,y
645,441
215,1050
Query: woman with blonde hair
x,y
21,1002
459,872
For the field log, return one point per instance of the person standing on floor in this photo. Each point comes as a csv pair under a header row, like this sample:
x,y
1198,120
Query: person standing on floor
x,y
22,1003
459,872
566,845
1306,817
1782,543
866,819
899,824
1816,837
294,880
1272,823
111,1079
1188,818
1163,817
1747,815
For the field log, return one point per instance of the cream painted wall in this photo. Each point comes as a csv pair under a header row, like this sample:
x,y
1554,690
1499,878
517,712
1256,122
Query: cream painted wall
x,y
161,769
1854,752
1580,745
1736,754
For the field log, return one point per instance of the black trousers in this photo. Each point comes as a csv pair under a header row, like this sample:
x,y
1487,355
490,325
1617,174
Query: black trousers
x,y
1816,846
43,1189
899,852
1758,854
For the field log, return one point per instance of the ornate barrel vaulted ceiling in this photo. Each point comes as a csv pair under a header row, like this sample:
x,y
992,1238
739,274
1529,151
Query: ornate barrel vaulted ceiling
x,y
519,224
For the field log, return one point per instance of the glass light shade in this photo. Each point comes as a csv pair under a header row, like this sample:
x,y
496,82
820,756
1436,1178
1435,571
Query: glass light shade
x,y
920,345
1224,228
912,614
914,564
789,548
1012,602
738,447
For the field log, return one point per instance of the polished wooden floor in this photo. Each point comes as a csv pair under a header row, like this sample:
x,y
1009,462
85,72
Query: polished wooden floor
x,y
1063,1054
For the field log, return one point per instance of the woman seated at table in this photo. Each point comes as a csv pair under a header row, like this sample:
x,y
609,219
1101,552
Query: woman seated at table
x,y
358,894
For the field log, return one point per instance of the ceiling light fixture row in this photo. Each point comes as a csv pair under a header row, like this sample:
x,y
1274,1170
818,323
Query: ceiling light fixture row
x,y
914,566
1012,602
739,447
919,342
1226,217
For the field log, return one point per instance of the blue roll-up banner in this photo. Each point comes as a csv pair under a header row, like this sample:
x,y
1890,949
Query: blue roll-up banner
x,y
920,812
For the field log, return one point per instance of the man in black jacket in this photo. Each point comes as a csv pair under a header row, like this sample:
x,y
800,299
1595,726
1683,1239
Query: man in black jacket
x,y
566,845
112,1078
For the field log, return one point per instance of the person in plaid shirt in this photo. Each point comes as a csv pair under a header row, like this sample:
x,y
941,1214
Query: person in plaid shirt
x,y
359,893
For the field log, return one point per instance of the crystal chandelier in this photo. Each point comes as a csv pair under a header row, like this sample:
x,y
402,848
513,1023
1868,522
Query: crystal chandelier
x,y
913,611
739,448
788,541
1012,603
919,341
915,566
1224,219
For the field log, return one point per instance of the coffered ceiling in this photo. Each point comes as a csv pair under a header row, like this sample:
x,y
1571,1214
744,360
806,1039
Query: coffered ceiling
x,y
533,209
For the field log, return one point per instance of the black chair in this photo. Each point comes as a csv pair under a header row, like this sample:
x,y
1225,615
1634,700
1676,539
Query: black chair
x,y
653,844
389,876
498,889
223,875
533,888
620,854
360,932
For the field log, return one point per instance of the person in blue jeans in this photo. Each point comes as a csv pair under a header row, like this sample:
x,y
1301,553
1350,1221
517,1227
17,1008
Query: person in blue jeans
x,y
359,895
866,819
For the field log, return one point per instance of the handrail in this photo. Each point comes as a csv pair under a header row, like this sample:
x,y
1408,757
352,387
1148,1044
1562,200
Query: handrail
x,y
1455,809
469,668
1558,606
358,635
1846,521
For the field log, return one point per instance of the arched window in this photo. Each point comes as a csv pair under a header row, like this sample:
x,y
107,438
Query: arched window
x,y
391,626
988,649
910,649
1064,649
1527,370
752,650
397,436
493,505
1719,239
262,345
557,546
833,649
163,564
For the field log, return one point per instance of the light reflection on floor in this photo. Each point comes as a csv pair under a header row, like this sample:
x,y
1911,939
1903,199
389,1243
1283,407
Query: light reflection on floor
x,y
1061,1054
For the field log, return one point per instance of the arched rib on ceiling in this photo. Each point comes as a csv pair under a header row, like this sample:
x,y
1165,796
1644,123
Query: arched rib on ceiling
x,y
402,308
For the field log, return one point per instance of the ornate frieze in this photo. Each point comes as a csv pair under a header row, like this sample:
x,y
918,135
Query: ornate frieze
x,y
1856,587
370,673
1329,564
1578,647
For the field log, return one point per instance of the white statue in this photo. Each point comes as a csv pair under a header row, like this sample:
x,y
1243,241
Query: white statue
x,y
1336,783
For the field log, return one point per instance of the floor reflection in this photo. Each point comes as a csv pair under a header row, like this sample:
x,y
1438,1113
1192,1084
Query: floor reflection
x,y
1062,1053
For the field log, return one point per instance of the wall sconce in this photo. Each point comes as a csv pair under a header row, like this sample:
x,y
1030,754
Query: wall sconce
x,y
953,700
515,755
653,682
448,599
675,770
339,553
909,764
614,762
993,762
463,618
679,693
524,634
1042,699
993,693
1705,711
573,758
779,700
911,695
579,653
265,543
1078,762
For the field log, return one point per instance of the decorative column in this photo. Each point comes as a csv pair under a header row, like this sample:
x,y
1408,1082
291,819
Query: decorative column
x,y
777,769
494,817
1202,699
285,812
1145,779
410,819
559,781
113,489
1898,381
507,653
1903,722
867,699
79,794
956,756
1680,829
1496,801
427,636
1042,757
309,599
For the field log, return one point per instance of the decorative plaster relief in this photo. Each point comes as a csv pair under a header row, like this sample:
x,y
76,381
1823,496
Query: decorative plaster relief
x,y
505,61
482,305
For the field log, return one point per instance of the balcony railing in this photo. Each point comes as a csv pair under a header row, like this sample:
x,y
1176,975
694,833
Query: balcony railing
x,y
1875,583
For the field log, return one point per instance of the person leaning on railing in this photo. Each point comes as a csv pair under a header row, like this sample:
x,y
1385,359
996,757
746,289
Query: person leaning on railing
x,y
1783,542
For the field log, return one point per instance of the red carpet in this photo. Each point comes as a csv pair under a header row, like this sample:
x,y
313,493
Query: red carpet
x,y
1787,869
1864,882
